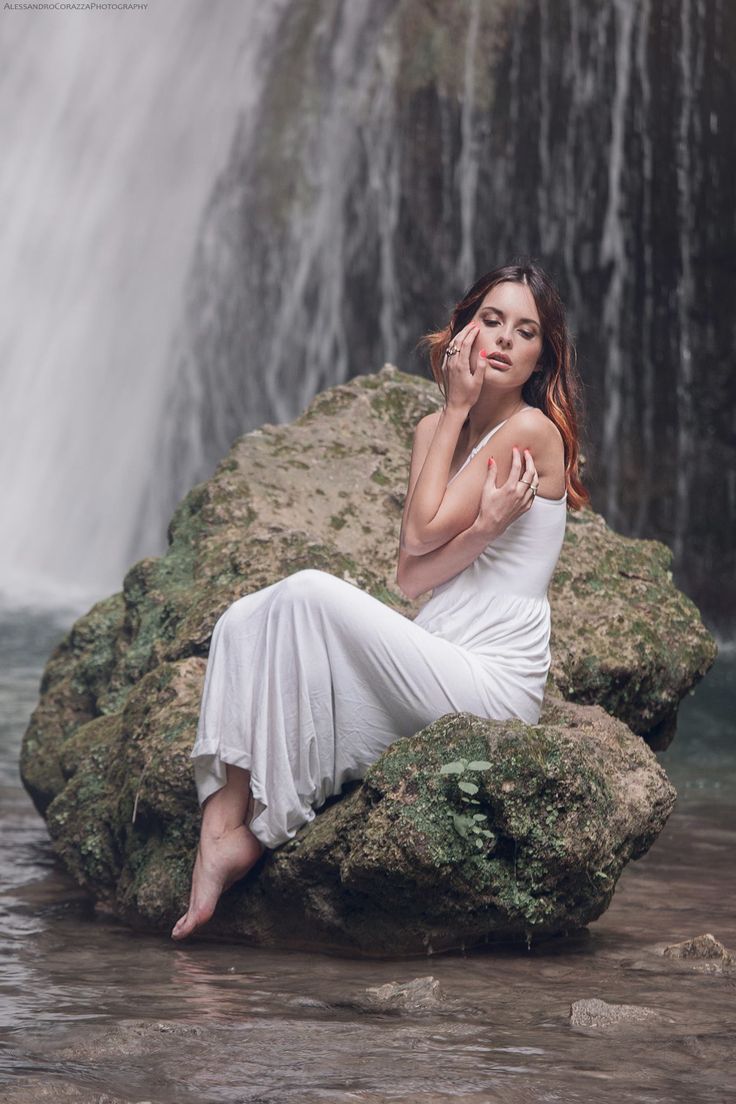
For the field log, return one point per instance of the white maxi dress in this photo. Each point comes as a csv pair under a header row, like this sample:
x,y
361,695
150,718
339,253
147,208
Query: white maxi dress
x,y
310,679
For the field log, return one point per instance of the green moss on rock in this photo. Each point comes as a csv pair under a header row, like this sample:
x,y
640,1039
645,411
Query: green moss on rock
x,y
382,869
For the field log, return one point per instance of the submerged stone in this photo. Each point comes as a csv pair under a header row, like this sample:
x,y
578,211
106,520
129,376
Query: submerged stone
x,y
701,947
422,994
598,1013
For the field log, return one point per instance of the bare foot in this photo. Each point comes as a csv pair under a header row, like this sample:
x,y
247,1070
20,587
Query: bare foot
x,y
221,861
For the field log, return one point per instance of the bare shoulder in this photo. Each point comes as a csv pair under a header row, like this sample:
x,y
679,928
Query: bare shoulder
x,y
429,421
535,423
427,424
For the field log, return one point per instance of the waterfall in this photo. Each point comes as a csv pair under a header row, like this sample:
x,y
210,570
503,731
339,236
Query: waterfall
x,y
613,256
113,126
648,386
467,162
686,437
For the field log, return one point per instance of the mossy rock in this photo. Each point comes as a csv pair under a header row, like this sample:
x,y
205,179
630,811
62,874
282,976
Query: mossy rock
x,y
623,636
383,869
105,755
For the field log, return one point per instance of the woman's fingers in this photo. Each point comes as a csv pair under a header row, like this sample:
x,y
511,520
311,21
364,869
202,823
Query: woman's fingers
x,y
491,472
469,331
459,366
530,476
460,337
465,338
500,505
530,472
467,344
463,333
518,481
515,472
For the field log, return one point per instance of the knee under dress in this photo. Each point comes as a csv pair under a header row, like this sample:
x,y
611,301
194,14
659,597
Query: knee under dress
x,y
310,679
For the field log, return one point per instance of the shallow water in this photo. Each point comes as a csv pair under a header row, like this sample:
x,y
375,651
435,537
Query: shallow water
x,y
91,1011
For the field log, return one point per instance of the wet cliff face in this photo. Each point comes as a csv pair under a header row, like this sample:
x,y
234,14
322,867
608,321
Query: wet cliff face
x,y
399,150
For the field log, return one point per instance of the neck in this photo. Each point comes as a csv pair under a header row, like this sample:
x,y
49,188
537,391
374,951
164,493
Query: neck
x,y
485,415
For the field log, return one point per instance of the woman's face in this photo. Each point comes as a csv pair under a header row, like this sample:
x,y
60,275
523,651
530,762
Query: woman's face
x,y
509,341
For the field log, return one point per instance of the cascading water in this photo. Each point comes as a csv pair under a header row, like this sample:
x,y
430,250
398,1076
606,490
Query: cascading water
x,y
113,125
383,155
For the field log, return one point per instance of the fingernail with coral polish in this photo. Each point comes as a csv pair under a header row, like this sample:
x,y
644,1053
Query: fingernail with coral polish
x,y
483,352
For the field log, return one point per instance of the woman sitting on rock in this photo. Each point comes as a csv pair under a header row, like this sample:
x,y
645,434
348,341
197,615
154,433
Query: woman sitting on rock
x,y
310,679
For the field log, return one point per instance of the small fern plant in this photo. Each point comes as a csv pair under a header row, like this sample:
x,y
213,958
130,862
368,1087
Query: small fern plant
x,y
470,824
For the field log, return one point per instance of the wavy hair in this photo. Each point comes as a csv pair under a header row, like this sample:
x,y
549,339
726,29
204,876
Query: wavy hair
x,y
557,389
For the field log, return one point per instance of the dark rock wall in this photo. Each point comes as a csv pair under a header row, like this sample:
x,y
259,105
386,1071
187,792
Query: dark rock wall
x,y
400,149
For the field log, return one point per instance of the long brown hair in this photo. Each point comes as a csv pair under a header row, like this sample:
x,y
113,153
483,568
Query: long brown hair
x,y
556,390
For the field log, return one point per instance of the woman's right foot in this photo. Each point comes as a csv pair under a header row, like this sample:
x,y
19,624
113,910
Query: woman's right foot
x,y
221,861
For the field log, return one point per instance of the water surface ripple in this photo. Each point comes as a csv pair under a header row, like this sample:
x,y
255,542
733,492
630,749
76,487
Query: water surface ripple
x,y
91,1011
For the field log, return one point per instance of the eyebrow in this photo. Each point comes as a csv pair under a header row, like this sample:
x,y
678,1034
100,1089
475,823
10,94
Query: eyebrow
x,y
497,311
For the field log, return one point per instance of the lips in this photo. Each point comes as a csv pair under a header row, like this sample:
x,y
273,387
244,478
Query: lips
x,y
500,357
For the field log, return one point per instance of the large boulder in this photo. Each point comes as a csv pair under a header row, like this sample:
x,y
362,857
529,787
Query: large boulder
x,y
406,862
105,756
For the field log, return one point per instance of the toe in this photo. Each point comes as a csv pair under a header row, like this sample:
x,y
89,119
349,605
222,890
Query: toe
x,y
180,928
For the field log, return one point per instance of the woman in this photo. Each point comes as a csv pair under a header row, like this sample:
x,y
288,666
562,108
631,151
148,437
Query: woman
x,y
310,679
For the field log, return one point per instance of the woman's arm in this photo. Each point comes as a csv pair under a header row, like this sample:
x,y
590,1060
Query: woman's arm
x,y
429,486
417,574
462,499
480,516
436,512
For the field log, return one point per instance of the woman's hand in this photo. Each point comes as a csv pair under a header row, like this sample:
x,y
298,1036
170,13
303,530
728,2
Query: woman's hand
x,y
463,382
499,506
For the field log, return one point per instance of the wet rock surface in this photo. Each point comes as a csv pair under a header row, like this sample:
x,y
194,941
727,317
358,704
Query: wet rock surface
x,y
423,994
598,1013
566,803
38,1090
701,947
704,954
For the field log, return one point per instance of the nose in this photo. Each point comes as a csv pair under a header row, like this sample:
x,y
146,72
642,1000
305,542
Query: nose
x,y
504,339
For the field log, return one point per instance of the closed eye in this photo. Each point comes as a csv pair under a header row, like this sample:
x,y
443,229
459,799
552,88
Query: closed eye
x,y
494,322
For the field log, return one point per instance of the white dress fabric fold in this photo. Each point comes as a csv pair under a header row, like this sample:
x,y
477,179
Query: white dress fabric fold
x,y
310,679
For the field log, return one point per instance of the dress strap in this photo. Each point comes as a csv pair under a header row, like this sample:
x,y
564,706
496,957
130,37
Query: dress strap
x,y
487,437
483,440
477,448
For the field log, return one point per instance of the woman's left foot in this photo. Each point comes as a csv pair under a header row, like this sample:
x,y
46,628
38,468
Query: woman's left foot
x,y
221,861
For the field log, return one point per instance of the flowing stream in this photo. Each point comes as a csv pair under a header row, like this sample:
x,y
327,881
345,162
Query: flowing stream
x,y
93,1012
